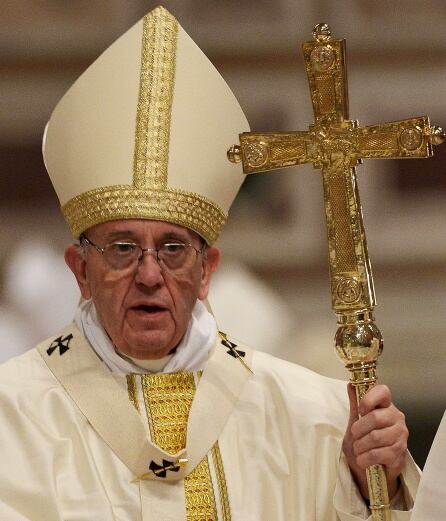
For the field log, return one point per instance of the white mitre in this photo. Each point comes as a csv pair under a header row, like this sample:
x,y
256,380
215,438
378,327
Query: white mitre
x,y
143,133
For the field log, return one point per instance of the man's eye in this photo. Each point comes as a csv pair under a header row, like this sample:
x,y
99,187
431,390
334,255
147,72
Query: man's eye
x,y
173,248
122,248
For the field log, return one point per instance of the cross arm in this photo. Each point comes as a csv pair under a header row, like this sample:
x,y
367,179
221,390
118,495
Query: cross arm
x,y
261,152
408,138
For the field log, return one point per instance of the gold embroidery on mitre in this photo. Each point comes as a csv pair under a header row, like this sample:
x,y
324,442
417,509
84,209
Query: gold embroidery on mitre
x,y
157,80
125,202
167,400
149,197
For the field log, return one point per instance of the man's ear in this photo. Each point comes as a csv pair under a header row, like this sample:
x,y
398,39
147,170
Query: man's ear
x,y
211,260
75,260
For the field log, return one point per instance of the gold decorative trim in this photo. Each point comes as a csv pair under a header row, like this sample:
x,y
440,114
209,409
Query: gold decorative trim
x,y
126,202
133,393
221,480
167,399
199,492
157,80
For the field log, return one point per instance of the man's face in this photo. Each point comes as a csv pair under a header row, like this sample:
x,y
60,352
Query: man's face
x,y
145,310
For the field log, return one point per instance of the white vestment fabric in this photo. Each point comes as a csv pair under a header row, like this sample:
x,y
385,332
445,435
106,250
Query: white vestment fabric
x,y
430,504
72,442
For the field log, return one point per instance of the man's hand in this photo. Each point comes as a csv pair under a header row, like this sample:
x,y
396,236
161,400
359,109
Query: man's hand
x,y
376,434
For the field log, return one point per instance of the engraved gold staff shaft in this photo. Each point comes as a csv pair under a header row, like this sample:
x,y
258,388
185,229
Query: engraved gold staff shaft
x,y
336,145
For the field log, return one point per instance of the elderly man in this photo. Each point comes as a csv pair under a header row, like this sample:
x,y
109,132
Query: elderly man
x,y
141,409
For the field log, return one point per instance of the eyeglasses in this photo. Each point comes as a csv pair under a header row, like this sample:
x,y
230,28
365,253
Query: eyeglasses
x,y
174,256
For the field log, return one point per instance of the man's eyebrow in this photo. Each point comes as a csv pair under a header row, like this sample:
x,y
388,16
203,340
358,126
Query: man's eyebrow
x,y
175,236
119,234
168,235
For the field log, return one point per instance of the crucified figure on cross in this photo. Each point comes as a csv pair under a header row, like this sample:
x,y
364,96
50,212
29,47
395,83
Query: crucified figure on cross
x,y
336,145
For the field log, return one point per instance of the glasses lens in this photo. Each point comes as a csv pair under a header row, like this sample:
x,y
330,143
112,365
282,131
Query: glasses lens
x,y
121,255
176,256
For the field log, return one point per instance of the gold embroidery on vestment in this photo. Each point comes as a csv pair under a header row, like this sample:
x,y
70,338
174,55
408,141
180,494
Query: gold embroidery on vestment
x,y
199,491
167,400
221,480
133,394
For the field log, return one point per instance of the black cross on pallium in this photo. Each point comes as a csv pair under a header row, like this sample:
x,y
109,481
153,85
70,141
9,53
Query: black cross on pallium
x,y
161,470
231,347
61,343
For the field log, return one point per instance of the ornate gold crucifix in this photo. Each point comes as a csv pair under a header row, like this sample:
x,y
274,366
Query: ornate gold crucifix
x,y
336,145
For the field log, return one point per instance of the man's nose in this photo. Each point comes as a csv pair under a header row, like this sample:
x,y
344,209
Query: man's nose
x,y
148,271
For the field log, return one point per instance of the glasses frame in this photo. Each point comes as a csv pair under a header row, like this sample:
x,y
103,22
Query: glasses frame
x,y
84,239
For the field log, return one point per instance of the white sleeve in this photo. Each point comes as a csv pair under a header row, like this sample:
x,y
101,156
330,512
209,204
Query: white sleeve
x,y
350,505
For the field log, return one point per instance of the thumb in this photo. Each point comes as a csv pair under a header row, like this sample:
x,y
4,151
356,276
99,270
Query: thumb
x,y
354,415
347,444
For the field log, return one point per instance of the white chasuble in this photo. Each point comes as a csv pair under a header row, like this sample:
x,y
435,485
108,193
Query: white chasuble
x,y
80,442
430,503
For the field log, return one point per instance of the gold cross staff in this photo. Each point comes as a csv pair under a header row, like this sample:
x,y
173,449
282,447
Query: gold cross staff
x,y
336,145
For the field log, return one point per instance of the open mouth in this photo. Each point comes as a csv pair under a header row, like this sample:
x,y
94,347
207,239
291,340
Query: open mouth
x,y
149,309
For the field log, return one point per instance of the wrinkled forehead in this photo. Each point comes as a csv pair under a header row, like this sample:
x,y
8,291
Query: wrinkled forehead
x,y
141,231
